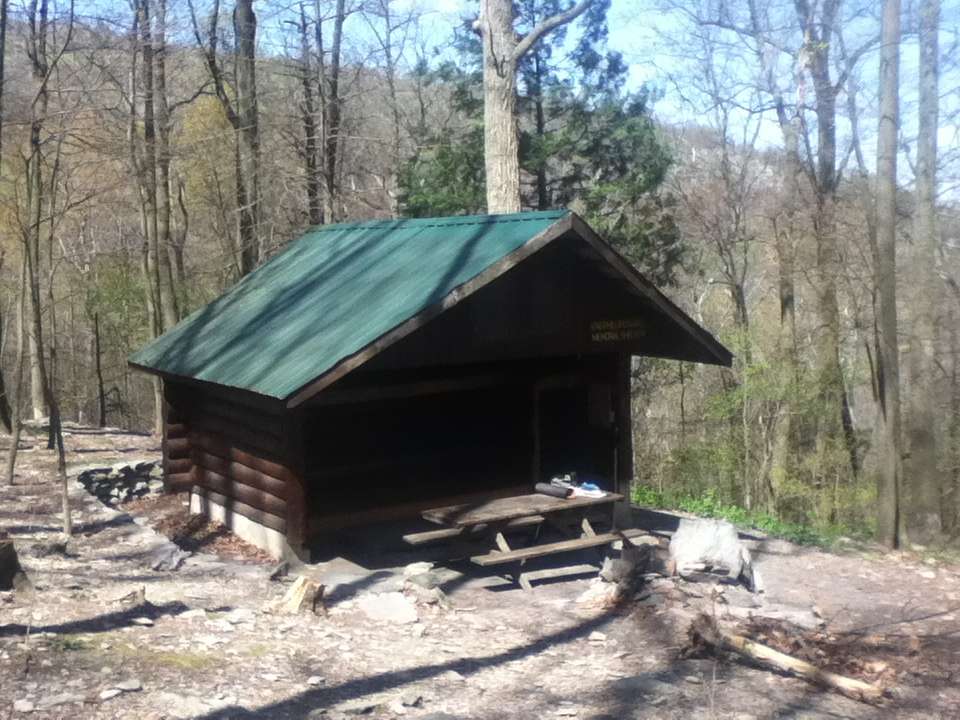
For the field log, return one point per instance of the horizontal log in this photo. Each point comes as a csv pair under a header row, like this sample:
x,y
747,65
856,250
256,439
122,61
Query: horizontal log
x,y
175,430
176,447
174,466
231,505
220,447
227,408
178,482
262,442
238,491
241,473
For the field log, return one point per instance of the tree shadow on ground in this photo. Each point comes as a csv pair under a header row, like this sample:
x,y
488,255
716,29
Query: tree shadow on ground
x,y
99,623
354,689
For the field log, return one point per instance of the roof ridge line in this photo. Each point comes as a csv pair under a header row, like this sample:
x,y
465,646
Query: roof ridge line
x,y
449,221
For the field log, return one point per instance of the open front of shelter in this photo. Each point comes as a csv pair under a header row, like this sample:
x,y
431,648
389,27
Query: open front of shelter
x,y
374,370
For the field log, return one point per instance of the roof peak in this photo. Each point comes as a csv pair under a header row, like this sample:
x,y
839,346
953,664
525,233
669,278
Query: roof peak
x,y
445,221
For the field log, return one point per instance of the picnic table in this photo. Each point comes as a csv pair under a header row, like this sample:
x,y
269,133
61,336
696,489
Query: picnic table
x,y
488,521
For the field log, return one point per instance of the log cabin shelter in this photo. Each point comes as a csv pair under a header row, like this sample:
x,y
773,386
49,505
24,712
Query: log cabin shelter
x,y
375,369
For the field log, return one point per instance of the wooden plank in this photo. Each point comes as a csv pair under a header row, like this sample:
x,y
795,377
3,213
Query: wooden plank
x,y
215,445
338,520
231,505
176,430
177,447
535,551
261,442
175,466
178,482
407,390
239,491
502,509
429,536
242,473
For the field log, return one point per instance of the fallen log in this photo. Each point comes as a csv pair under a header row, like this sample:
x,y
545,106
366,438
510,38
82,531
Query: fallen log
x,y
704,631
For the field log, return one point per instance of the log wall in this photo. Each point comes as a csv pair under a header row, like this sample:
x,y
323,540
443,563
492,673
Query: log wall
x,y
237,454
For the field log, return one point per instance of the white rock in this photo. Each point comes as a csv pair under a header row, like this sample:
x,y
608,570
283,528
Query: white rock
x,y
701,543
597,636
129,685
314,680
394,607
144,621
109,693
23,706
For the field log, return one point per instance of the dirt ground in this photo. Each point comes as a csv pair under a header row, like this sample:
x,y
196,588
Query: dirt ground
x,y
82,646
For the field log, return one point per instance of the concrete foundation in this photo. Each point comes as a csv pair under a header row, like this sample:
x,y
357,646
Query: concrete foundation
x,y
267,539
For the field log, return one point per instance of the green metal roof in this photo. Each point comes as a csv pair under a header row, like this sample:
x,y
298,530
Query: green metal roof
x,y
330,294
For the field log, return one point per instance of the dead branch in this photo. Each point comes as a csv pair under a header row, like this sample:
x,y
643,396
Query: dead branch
x,y
704,631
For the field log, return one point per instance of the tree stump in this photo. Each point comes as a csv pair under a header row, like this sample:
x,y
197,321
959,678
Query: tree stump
x,y
303,595
12,576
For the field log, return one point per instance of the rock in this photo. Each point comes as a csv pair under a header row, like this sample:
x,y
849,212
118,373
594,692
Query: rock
x,y
314,680
129,685
181,707
240,615
597,636
411,699
168,558
359,708
109,693
144,621
194,613
711,546
280,571
599,594
60,699
12,576
417,568
393,607
23,706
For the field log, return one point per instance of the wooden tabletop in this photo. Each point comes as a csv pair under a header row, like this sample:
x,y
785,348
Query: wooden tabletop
x,y
510,508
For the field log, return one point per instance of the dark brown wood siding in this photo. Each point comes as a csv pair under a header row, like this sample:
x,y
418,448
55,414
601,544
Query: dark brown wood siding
x,y
239,455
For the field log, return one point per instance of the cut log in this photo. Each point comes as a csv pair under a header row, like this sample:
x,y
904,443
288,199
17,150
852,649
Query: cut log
x,y
704,630
303,595
12,576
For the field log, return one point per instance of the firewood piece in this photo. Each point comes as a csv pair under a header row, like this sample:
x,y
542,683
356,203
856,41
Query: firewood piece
x,y
303,594
12,576
704,630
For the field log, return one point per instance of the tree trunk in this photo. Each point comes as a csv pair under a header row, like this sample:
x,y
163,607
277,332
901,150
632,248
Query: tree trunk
x,y
309,116
502,50
889,455
169,310
248,134
500,137
16,420
922,487
101,394
332,111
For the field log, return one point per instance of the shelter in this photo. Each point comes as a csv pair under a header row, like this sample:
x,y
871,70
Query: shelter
x,y
377,368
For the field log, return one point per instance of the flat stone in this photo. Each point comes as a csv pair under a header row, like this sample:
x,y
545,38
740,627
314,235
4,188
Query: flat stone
x,y
144,621
393,607
129,685
110,693
597,636
61,699
314,680
411,700
23,706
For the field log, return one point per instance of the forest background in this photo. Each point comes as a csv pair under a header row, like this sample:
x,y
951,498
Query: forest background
x,y
788,171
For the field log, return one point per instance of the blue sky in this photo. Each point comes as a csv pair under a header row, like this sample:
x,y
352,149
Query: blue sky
x,y
648,40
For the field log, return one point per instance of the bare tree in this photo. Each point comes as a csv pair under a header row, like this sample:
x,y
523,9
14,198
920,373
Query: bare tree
x,y
242,113
923,487
889,452
502,50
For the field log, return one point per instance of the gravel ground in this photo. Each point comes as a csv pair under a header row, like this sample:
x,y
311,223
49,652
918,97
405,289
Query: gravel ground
x,y
82,645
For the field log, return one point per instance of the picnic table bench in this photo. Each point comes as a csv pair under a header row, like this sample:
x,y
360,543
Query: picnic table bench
x,y
489,520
